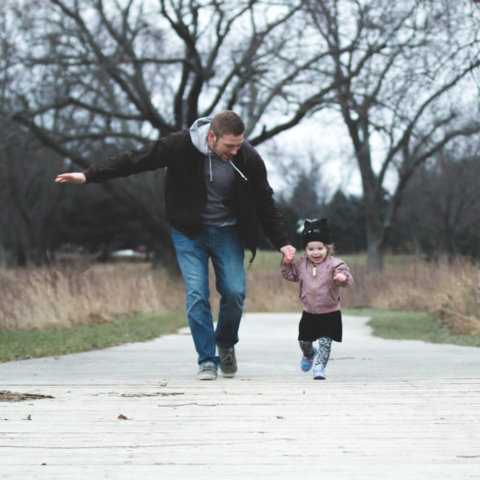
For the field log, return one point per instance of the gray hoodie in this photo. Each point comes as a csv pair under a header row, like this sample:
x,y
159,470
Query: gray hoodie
x,y
219,179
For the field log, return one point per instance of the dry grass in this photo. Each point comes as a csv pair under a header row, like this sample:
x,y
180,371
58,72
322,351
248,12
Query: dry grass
x,y
449,291
46,297
458,300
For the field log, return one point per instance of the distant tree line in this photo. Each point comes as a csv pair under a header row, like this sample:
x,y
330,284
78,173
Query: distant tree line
x,y
439,216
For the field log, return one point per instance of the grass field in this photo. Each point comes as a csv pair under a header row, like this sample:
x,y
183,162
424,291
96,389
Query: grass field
x,y
413,326
52,342
270,260
46,313
20,344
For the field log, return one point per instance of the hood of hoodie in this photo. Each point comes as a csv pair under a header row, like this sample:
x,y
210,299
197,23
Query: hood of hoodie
x,y
198,134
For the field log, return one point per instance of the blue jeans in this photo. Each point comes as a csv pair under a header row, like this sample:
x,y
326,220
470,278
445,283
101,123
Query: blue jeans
x,y
225,247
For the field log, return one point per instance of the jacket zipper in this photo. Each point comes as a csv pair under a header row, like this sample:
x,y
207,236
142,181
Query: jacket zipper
x,y
314,274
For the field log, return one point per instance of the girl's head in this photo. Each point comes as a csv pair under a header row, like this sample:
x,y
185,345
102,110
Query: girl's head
x,y
316,240
317,251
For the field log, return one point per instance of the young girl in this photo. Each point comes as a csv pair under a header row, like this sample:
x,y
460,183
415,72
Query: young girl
x,y
320,276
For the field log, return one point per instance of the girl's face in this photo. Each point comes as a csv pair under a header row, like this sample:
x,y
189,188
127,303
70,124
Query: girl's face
x,y
316,251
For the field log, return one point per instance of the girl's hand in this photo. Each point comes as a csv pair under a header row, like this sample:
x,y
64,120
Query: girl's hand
x,y
340,278
288,253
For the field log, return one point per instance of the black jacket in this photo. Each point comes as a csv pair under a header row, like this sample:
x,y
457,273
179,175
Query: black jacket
x,y
185,190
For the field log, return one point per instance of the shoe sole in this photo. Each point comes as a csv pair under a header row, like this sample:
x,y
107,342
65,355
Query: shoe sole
x,y
228,371
206,377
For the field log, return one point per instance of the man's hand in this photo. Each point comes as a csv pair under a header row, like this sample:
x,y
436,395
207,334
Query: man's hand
x,y
71,178
288,253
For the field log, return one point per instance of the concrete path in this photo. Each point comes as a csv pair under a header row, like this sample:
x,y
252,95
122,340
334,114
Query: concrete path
x,y
389,409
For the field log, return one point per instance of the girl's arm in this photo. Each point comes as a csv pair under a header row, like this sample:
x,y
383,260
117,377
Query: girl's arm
x,y
290,271
342,275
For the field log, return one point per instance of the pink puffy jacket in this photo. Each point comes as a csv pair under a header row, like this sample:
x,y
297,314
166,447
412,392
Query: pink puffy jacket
x,y
319,292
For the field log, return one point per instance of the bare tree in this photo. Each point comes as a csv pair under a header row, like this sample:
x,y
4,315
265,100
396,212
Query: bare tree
x,y
88,76
404,89
93,76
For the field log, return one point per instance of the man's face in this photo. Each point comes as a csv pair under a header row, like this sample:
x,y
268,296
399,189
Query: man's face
x,y
226,146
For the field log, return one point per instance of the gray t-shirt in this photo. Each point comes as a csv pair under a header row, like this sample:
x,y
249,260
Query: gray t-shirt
x,y
219,179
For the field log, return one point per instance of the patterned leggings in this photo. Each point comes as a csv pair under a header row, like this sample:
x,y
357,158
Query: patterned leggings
x,y
324,347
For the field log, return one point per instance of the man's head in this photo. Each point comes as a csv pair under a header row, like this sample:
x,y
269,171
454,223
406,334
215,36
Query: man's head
x,y
225,136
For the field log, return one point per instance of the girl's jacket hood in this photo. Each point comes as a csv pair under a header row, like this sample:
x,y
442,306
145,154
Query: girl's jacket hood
x,y
318,291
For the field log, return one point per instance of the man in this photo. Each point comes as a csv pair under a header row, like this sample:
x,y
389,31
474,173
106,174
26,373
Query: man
x,y
216,195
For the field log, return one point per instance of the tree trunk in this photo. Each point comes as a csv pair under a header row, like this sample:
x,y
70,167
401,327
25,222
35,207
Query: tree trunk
x,y
375,237
374,257
21,257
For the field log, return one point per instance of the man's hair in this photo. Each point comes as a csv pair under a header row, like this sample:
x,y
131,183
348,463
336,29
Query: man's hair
x,y
227,122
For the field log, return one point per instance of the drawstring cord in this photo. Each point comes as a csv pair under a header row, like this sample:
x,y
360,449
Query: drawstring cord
x,y
230,162
210,168
241,174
